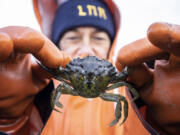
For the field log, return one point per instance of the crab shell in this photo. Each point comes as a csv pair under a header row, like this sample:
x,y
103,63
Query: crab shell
x,y
89,76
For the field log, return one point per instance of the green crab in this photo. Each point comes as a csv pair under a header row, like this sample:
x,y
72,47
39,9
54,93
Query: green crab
x,y
91,77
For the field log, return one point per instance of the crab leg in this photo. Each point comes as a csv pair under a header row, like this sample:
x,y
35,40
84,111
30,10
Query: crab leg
x,y
119,84
117,98
61,89
55,95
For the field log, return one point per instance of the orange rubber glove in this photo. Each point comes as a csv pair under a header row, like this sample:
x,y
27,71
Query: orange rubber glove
x,y
158,87
21,78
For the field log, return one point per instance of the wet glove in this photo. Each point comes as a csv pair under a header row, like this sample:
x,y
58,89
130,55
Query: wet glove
x,y
158,86
21,78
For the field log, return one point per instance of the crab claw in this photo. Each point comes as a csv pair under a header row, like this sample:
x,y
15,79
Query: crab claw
x,y
51,71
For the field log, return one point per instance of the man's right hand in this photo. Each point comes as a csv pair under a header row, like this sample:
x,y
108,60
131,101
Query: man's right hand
x,y
21,78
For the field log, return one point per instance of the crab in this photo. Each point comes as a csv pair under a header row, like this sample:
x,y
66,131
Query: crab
x,y
91,77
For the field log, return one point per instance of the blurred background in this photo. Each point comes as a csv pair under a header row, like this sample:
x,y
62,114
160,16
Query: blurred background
x,y
136,16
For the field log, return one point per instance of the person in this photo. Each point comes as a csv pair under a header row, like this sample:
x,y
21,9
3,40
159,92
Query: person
x,y
83,116
25,106
80,116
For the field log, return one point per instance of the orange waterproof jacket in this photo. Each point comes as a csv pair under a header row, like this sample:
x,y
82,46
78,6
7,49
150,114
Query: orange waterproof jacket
x,y
81,116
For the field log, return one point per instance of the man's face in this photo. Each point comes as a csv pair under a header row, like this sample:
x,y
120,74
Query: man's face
x,y
84,41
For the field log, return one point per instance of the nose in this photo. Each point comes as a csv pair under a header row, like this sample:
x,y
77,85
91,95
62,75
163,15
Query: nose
x,y
86,49
83,55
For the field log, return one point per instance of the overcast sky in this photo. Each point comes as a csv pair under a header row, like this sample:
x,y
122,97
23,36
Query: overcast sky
x,y
136,15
